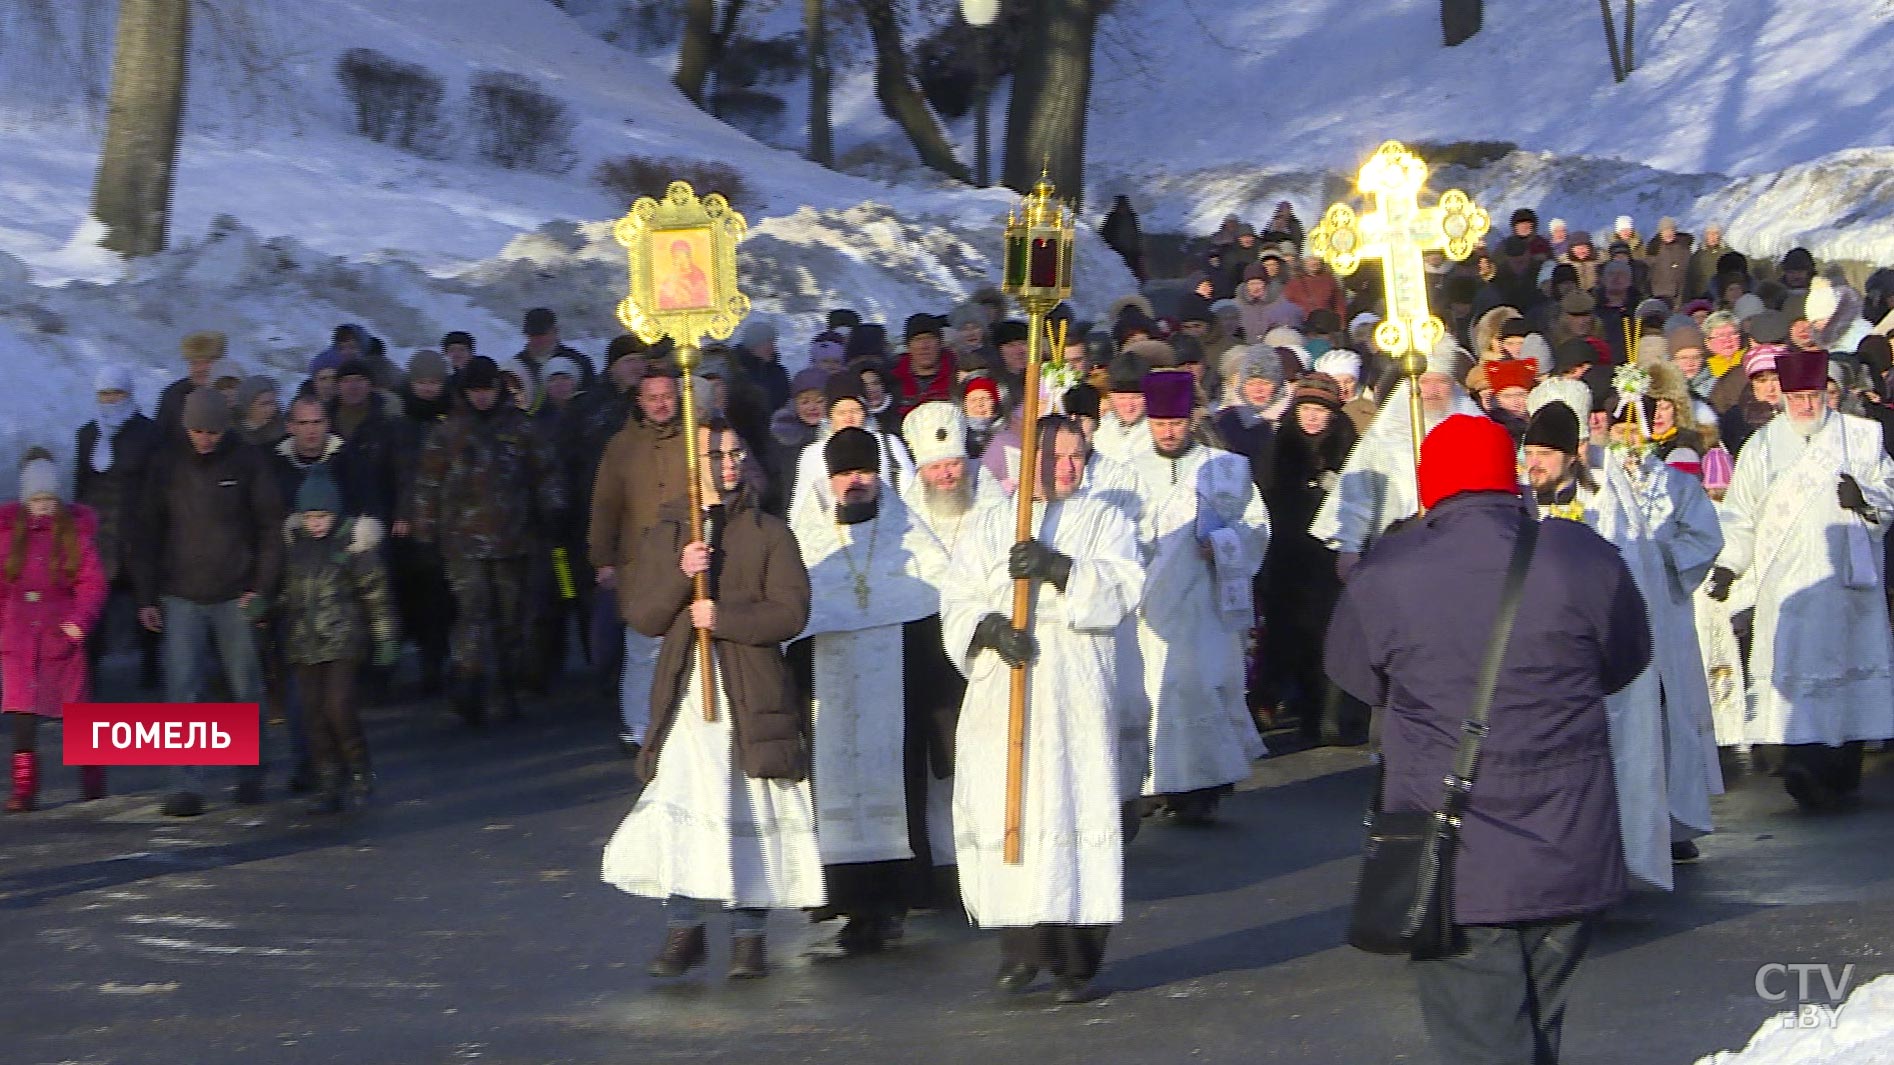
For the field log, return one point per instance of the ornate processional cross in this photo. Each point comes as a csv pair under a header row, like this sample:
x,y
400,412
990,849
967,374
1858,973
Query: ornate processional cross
x,y
1396,232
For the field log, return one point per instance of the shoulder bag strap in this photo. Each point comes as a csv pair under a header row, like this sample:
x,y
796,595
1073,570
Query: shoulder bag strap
x,y
1460,784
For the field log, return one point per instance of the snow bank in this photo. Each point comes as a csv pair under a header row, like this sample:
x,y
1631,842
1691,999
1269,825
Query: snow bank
x,y
1862,1034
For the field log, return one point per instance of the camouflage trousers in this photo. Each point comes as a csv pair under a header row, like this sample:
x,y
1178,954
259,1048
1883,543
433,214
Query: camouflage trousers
x,y
491,618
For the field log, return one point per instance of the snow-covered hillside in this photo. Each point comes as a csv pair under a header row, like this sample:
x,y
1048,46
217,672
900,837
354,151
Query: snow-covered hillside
x,y
287,223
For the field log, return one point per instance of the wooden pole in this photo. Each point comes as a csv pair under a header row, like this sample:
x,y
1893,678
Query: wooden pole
x,y
700,584
1022,589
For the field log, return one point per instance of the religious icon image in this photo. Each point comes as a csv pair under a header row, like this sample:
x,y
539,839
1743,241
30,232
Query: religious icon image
x,y
679,279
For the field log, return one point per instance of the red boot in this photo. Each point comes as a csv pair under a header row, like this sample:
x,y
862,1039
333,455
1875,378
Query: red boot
x,y
91,782
25,782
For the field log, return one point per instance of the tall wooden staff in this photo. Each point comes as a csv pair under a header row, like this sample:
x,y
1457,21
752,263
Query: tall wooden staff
x,y
1038,273
687,359
682,256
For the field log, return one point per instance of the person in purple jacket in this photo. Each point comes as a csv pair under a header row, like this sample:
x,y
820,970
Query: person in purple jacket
x,y
1539,853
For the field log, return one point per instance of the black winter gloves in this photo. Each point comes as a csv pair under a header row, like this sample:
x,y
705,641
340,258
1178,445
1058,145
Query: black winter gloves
x,y
1720,580
996,631
1033,560
1850,497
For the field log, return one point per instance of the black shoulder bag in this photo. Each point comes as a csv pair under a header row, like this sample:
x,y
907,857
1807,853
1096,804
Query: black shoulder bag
x,y
1404,899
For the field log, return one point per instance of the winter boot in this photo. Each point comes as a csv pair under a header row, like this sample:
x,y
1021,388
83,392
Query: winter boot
x,y
25,782
329,797
361,783
684,949
91,782
748,960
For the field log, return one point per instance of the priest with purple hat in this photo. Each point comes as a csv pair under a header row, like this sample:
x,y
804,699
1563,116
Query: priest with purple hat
x,y
1807,515
1203,531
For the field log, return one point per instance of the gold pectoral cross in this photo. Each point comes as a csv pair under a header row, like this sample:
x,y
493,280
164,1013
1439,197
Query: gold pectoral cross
x,y
861,590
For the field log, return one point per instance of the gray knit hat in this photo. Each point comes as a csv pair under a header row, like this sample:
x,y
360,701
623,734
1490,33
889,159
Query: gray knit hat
x,y
206,410
39,477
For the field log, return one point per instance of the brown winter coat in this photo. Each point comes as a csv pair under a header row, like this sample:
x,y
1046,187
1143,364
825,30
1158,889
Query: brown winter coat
x,y
762,594
643,471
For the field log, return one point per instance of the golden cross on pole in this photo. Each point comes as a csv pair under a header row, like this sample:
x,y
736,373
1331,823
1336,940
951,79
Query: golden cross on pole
x,y
1397,232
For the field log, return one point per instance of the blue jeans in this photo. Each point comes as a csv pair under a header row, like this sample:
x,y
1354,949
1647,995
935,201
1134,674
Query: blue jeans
x,y
189,628
634,690
683,912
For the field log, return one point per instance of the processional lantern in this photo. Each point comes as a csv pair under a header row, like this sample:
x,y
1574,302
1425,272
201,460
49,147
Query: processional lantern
x,y
1036,271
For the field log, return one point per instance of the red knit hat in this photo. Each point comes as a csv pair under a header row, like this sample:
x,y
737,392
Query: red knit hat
x,y
1466,453
1502,374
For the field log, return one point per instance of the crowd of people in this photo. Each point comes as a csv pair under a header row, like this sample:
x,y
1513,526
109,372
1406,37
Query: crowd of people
x,y
1231,538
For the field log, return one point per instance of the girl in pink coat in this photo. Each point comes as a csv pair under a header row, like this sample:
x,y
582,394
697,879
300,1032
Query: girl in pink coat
x,y
51,591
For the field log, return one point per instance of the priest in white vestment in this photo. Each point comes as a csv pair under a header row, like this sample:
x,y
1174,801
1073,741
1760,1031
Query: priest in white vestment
x,y
870,667
1806,517
1053,907
1204,533
1113,482
1663,743
948,493
1376,488
726,817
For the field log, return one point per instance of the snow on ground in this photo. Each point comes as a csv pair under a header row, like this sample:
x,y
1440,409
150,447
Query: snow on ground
x,y
1862,1033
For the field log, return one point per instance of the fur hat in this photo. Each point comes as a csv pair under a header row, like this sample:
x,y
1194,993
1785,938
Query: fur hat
x,y
809,379
1822,302
1156,354
935,431
204,346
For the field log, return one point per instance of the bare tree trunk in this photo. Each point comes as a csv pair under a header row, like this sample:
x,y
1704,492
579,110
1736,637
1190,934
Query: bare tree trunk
x,y
1630,35
900,99
695,52
1611,40
821,137
1052,88
144,120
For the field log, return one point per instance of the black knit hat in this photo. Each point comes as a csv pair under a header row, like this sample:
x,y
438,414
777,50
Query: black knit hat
x,y
850,450
480,372
844,385
1127,373
1193,307
919,324
1573,353
1081,401
1554,426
